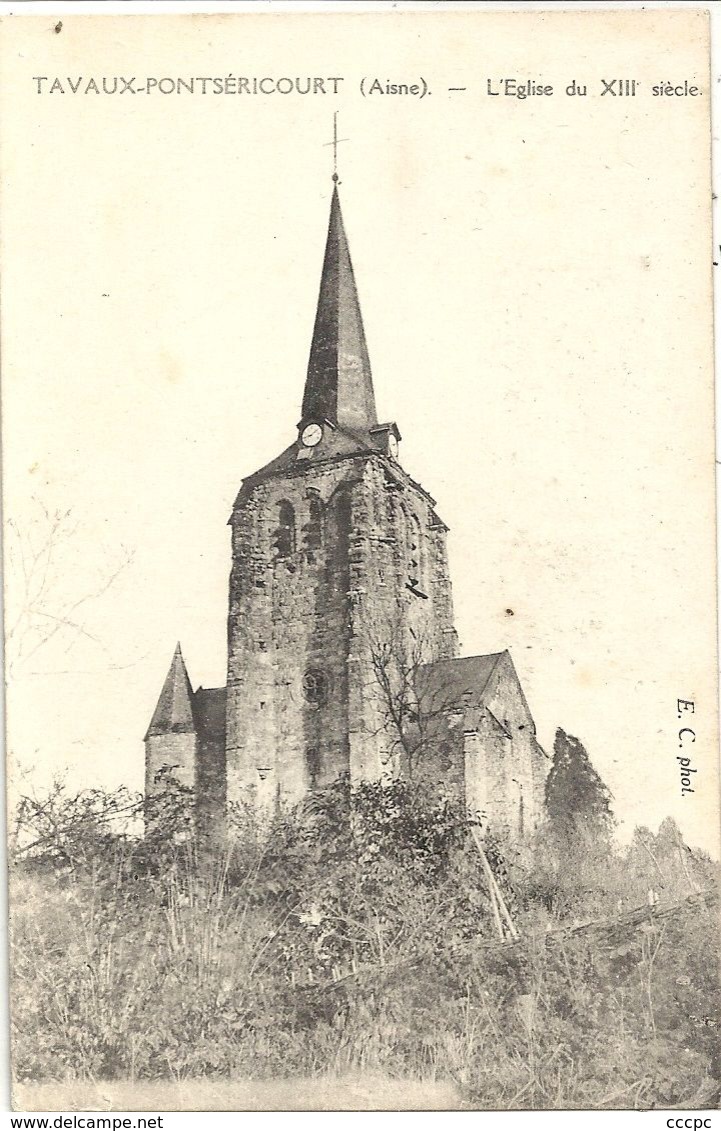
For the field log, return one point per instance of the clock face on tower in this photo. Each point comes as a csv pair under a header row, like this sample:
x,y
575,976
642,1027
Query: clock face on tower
x,y
311,435
392,446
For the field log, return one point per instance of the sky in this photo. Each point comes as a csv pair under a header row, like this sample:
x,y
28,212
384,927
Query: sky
x,y
534,280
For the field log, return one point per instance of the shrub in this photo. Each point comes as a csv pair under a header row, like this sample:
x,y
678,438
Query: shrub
x,y
355,934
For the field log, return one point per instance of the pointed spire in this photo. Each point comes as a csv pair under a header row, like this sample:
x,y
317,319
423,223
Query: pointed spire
x,y
339,386
174,712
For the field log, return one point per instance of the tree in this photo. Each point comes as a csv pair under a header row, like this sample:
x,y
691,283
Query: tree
x,y
577,801
572,871
416,704
71,827
49,595
664,862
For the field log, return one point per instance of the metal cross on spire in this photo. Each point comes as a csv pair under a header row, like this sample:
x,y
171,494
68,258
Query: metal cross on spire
x,y
335,143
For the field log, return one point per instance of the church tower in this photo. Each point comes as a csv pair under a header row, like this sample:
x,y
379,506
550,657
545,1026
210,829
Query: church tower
x,y
340,611
336,552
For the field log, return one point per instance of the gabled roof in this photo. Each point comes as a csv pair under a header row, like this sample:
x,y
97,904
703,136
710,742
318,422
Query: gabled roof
x,y
338,442
339,385
174,712
461,682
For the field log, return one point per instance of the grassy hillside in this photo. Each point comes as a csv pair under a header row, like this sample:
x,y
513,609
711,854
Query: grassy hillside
x,y
356,938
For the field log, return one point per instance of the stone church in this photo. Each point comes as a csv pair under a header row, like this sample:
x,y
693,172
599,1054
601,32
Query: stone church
x,y
342,651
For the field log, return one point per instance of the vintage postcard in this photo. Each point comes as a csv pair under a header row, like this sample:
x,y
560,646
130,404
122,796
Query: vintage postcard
x,y
359,551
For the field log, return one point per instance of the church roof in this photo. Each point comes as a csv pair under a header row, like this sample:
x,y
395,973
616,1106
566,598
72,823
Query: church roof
x,y
339,386
460,682
180,710
209,712
174,712
338,442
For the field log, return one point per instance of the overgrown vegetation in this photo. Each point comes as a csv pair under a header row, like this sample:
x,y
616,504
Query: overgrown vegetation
x,y
356,936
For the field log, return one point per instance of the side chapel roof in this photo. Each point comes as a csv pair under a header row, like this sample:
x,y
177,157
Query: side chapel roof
x,y
180,710
174,711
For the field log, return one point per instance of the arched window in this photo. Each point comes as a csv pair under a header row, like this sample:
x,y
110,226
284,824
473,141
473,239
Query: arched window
x,y
316,511
284,534
343,512
313,529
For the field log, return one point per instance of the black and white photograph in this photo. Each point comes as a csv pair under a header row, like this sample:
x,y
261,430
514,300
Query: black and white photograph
x,y
359,561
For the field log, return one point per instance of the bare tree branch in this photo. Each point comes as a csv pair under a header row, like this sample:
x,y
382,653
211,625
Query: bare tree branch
x,y
41,578
416,702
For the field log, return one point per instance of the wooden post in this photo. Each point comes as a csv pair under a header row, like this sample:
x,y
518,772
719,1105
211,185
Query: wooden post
x,y
501,913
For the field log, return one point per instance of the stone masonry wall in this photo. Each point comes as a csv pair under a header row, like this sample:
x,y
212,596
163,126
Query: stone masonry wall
x,y
400,599
170,750
505,766
287,630
210,788
322,564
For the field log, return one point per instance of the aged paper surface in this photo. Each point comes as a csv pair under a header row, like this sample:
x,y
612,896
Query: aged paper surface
x,y
526,201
